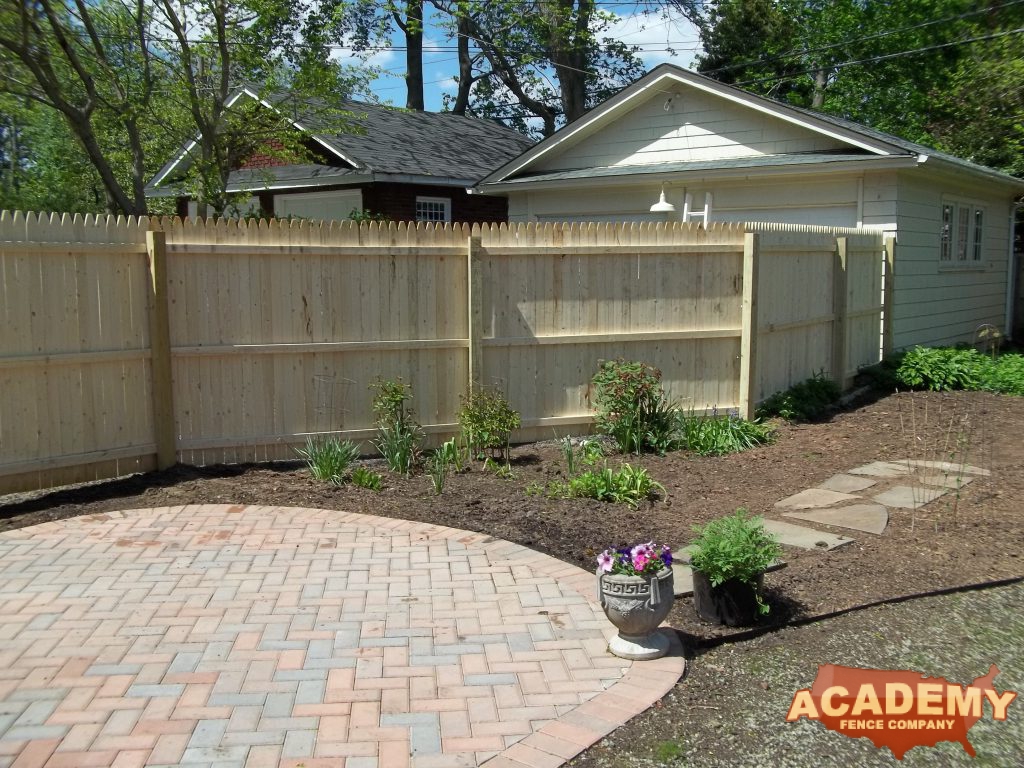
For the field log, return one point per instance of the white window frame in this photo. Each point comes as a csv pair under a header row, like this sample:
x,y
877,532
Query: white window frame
x,y
444,202
962,234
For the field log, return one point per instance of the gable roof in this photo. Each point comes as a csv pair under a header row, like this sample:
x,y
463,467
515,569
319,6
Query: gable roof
x,y
379,143
870,144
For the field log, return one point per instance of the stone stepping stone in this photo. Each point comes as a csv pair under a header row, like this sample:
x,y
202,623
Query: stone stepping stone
x,y
814,498
870,518
847,483
909,497
805,538
947,466
946,481
884,469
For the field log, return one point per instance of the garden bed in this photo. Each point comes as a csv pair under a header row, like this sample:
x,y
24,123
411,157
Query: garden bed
x,y
983,543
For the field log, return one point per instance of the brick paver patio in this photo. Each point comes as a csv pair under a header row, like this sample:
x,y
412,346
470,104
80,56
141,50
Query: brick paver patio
x,y
220,635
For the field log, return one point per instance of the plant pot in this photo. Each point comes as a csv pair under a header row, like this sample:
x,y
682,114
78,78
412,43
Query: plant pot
x,y
733,602
636,605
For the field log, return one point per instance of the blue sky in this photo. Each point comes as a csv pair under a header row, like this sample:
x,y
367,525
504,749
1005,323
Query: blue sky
x,y
653,33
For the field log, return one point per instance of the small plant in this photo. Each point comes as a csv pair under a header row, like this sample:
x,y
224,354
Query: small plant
x,y
454,453
735,547
944,368
589,453
807,400
438,466
398,435
366,478
329,459
534,489
487,421
503,471
632,407
627,485
640,560
714,435
1007,375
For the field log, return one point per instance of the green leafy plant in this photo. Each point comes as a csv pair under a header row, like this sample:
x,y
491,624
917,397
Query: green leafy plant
x,y
366,478
734,547
329,458
807,400
627,485
438,466
454,453
632,407
504,471
534,489
398,435
588,452
487,421
944,368
1006,376
714,435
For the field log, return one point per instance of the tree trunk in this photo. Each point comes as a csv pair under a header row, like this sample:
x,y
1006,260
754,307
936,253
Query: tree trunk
x,y
465,68
820,81
414,54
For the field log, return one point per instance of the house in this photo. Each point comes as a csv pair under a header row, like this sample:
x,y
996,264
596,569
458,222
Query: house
x,y
677,145
405,166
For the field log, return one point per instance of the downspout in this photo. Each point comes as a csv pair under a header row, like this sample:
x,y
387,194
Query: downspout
x,y
1011,268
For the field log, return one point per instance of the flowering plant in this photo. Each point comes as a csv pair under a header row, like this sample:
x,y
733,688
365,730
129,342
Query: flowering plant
x,y
641,560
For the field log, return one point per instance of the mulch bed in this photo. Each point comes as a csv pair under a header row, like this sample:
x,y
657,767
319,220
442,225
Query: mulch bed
x,y
981,542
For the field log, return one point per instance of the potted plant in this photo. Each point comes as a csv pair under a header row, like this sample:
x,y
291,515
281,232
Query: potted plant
x,y
635,588
729,559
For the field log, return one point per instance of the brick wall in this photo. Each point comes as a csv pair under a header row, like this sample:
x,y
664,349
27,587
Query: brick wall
x,y
398,202
261,160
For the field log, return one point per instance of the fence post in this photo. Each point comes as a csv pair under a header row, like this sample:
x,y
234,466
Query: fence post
x,y
839,325
476,313
748,334
888,294
160,345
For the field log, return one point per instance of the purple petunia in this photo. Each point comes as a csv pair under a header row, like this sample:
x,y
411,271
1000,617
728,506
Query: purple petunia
x,y
605,561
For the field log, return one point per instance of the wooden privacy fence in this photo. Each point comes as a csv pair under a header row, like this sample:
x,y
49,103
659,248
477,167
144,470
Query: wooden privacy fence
x,y
129,344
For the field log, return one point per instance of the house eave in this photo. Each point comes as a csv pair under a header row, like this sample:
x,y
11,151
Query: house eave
x,y
350,180
704,174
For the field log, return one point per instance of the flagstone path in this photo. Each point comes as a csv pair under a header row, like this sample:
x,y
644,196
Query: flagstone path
x,y
859,500
216,635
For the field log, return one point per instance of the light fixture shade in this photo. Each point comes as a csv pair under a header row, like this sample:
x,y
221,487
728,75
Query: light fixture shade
x,y
663,205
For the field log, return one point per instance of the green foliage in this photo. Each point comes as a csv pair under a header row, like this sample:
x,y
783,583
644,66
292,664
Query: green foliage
x,y
632,407
942,369
398,435
951,368
627,485
714,435
1007,375
438,466
807,400
734,547
366,478
329,458
487,421
534,489
588,452
454,453
366,214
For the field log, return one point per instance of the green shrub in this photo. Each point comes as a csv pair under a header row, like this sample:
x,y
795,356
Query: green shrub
x,y
366,478
942,369
487,421
398,435
1007,375
632,407
734,547
628,485
807,400
329,459
714,435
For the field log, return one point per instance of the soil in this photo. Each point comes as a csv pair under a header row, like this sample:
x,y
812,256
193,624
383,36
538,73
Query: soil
x,y
934,548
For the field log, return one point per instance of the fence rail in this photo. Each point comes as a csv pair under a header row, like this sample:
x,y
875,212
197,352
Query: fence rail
x,y
128,344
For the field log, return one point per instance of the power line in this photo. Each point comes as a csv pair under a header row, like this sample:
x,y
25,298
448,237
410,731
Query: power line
x,y
883,57
848,41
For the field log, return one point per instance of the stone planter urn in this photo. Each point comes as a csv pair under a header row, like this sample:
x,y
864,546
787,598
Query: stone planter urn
x,y
636,605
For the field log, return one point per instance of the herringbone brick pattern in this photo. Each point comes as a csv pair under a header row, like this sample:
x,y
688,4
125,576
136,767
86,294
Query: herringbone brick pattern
x,y
221,635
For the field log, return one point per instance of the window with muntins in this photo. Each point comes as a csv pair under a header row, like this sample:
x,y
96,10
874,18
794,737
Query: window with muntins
x,y
436,209
962,237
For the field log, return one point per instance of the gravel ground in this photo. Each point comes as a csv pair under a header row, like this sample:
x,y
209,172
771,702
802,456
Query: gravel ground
x,y
730,709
